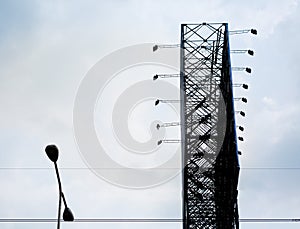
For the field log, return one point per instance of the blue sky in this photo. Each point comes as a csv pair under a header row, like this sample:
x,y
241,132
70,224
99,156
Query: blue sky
x,y
47,48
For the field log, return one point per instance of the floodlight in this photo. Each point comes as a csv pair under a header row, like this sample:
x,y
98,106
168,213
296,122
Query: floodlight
x,y
242,113
155,77
155,47
241,128
253,31
245,86
251,52
156,102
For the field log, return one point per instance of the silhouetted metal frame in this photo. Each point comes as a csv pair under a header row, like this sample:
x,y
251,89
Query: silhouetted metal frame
x,y
209,149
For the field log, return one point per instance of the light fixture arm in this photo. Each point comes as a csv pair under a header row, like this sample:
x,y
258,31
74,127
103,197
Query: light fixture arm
x,y
253,31
64,199
156,47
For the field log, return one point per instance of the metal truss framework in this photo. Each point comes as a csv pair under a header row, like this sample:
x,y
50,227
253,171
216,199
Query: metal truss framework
x,y
209,148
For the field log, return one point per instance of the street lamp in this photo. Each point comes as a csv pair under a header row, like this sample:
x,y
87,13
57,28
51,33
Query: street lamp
x,y
52,153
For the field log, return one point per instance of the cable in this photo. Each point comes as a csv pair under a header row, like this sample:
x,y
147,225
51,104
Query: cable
x,y
142,220
82,168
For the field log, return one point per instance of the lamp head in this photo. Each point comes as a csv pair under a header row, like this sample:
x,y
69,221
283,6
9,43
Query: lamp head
x,y
52,152
244,100
155,47
155,77
68,215
251,52
245,86
253,31
249,70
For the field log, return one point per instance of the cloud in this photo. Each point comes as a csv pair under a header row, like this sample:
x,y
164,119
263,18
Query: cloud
x,y
268,101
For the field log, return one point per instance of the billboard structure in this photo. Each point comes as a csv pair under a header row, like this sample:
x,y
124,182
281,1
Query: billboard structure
x,y
209,141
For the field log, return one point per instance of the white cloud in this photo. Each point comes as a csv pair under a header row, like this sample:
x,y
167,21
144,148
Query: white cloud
x,y
268,101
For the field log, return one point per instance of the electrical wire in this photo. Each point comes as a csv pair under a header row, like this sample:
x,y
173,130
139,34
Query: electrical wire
x,y
141,220
82,168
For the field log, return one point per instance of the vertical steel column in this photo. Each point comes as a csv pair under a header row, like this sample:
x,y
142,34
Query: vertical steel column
x,y
183,125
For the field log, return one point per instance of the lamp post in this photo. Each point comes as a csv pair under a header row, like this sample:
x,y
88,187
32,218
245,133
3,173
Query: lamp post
x,y
52,153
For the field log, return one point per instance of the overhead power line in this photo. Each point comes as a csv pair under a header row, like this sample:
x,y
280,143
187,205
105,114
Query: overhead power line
x,y
83,168
141,220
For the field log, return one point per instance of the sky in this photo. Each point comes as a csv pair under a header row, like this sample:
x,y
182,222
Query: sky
x,y
49,48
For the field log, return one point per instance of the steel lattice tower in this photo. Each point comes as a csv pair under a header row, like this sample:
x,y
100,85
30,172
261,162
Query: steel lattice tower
x,y
209,142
